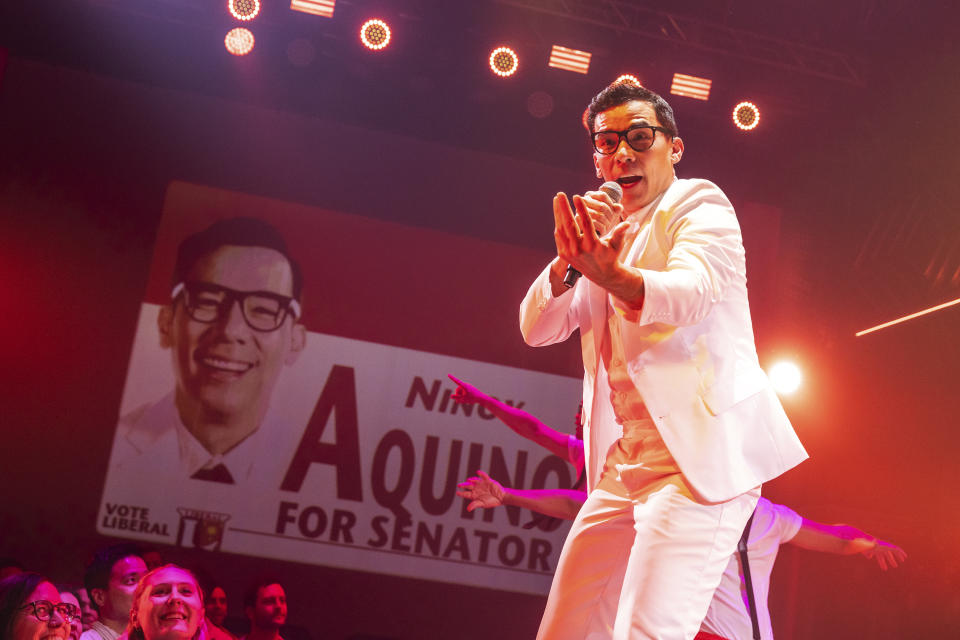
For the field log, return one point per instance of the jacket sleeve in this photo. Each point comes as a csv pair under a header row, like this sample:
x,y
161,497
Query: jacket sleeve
x,y
705,257
545,319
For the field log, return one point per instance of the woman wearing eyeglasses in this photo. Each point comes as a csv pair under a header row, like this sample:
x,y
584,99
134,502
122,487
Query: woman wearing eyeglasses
x,y
30,609
76,626
167,605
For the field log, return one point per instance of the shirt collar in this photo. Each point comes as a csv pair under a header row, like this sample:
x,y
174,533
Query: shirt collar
x,y
239,460
642,215
105,632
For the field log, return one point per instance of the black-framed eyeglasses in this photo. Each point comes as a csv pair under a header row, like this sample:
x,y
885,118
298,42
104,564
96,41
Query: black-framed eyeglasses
x,y
262,310
639,137
43,610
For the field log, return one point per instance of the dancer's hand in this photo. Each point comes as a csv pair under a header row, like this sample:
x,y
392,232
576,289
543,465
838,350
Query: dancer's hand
x,y
466,393
886,554
482,491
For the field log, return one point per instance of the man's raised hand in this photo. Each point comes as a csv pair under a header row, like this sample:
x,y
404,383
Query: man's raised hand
x,y
578,239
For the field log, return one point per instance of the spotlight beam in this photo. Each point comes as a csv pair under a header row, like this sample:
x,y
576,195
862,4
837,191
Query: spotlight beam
x,y
909,317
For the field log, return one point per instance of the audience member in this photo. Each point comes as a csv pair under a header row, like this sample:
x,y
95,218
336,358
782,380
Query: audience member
x,y
111,578
214,606
217,606
76,626
88,615
265,605
216,599
31,609
167,604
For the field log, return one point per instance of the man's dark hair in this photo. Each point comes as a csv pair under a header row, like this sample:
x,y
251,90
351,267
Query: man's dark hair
x,y
239,232
14,591
97,573
250,595
620,93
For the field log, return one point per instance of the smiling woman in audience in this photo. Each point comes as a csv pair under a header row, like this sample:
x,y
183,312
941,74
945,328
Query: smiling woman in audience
x,y
30,609
167,605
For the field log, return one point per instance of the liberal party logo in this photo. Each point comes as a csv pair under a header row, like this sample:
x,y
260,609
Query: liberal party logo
x,y
201,529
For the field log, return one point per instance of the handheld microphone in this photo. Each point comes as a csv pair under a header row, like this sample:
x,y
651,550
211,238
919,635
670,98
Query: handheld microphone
x,y
615,192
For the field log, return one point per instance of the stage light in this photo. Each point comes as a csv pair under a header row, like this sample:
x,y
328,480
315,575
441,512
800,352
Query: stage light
x,y
569,59
785,377
907,317
628,78
746,116
504,61
316,7
244,9
375,34
239,41
691,86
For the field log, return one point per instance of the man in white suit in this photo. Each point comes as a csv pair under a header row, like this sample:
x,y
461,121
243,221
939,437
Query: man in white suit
x,y
681,426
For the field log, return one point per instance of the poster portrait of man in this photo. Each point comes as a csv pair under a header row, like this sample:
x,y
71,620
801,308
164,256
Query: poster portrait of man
x,y
231,325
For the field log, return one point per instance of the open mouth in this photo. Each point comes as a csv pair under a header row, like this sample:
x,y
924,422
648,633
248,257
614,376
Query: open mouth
x,y
174,617
629,181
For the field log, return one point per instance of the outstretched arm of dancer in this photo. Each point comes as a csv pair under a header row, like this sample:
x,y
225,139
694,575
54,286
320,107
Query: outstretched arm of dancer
x,y
483,491
846,540
520,421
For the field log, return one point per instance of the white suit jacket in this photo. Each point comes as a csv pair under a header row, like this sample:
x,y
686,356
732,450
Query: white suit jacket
x,y
689,350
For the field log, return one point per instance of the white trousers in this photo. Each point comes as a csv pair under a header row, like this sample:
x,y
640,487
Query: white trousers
x,y
642,567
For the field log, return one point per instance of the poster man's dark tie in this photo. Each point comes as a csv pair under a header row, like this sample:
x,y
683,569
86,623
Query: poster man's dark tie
x,y
219,473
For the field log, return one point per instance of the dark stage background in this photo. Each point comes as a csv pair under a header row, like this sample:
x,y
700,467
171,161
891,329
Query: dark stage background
x,y
847,196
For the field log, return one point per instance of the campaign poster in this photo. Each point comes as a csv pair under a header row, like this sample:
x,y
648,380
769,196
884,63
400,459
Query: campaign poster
x,y
308,416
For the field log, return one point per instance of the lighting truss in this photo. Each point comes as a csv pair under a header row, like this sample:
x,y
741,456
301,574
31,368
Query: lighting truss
x,y
627,17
